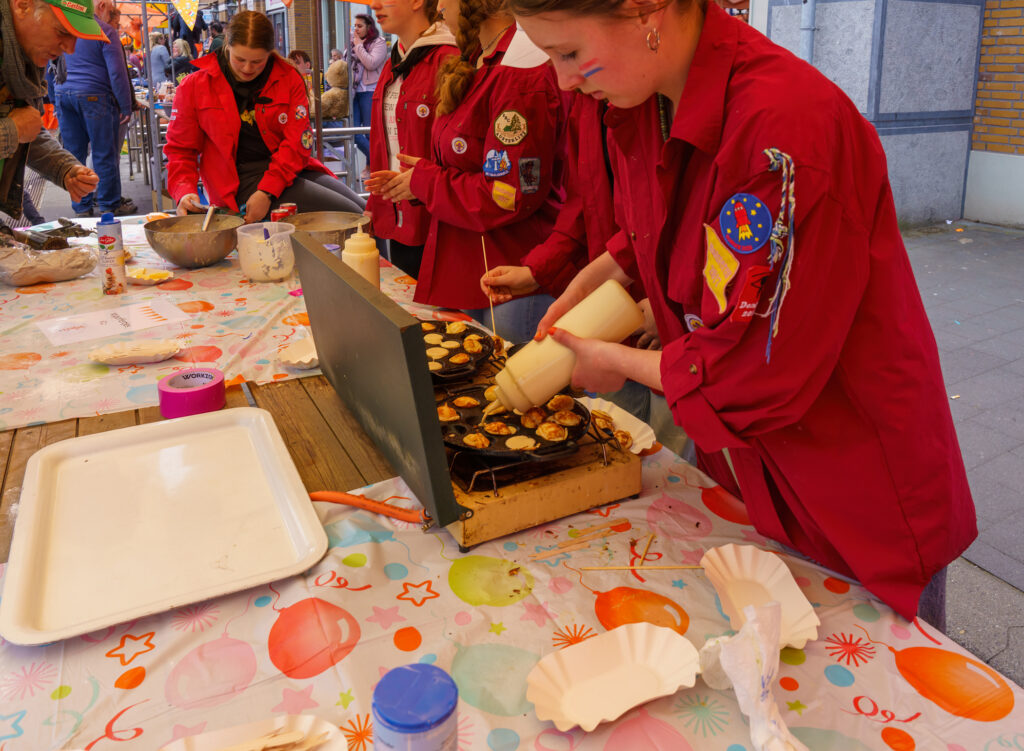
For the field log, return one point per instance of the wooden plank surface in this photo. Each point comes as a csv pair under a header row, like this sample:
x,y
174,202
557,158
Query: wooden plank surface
x,y
322,461
371,463
103,423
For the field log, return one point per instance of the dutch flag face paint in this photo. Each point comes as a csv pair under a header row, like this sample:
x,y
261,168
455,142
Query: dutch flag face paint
x,y
590,67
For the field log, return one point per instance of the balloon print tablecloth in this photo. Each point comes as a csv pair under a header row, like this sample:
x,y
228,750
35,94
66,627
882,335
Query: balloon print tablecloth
x,y
232,324
388,594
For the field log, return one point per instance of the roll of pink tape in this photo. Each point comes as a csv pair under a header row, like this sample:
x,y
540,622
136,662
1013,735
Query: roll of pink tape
x,y
189,392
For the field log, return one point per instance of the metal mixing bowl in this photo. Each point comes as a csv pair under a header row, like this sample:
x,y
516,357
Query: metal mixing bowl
x,y
180,239
328,227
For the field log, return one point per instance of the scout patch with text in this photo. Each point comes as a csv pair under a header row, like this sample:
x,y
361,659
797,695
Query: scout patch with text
x,y
282,118
459,145
510,127
720,266
745,222
746,305
300,112
307,140
529,174
497,163
422,110
504,195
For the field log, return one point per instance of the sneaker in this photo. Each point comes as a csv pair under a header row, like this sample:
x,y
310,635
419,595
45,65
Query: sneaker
x,y
127,206
83,214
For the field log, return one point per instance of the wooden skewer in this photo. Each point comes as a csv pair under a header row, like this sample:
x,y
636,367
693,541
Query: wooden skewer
x,y
572,545
483,247
634,568
643,556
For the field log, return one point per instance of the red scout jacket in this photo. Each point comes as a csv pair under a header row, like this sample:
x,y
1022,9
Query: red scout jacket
x,y
204,127
587,221
496,171
843,444
405,221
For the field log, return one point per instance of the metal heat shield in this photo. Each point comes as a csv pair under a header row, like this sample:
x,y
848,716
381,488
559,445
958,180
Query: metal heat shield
x,y
371,350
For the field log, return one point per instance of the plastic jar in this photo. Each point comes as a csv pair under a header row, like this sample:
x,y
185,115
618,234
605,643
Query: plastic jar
x,y
414,710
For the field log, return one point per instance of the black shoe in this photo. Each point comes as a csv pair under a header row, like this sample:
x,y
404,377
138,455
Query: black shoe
x,y
83,214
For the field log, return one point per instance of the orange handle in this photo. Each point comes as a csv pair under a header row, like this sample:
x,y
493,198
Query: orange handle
x,y
412,516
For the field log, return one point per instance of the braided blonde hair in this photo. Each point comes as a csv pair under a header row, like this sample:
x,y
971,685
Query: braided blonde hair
x,y
456,74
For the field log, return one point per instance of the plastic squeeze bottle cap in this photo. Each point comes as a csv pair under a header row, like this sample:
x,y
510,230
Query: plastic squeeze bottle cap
x,y
107,217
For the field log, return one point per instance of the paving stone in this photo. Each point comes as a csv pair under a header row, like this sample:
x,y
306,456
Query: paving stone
x,y
980,443
965,362
1010,662
1006,418
1007,469
985,637
991,389
997,563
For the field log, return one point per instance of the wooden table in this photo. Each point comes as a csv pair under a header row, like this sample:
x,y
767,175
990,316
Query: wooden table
x,y
329,447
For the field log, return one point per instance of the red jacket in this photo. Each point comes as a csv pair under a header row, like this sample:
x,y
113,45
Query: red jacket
x,y
515,118
407,222
587,220
202,137
843,443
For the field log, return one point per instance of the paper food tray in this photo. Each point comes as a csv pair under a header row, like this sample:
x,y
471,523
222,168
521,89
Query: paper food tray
x,y
131,522
216,740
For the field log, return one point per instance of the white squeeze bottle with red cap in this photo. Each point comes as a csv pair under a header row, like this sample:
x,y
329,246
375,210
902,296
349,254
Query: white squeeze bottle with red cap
x,y
361,254
541,369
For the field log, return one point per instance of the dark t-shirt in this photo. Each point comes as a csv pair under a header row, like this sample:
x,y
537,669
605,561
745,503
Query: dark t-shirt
x,y
251,146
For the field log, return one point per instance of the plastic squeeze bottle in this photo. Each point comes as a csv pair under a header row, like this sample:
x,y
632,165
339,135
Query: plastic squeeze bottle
x,y
541,369
361,254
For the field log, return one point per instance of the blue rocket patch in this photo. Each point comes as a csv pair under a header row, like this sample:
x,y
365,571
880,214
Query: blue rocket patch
x,y
745,223
497,163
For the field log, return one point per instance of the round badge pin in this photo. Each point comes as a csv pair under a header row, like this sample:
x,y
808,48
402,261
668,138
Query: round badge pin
x,y
459,145
282,118
422,110
745,223
693,322
300,112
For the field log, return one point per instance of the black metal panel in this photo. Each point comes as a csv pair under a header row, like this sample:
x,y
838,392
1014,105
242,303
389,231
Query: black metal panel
x,y
371,350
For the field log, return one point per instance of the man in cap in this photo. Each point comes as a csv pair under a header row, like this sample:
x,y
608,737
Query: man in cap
x,y
33,32
94,102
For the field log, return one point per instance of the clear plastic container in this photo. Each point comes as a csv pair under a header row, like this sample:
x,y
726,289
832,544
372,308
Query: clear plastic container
x,y
265,251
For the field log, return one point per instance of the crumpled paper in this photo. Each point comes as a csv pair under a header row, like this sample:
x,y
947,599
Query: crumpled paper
x,y
21,266
748,663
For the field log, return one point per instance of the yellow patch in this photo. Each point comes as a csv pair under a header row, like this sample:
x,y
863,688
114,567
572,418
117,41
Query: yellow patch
x,y
504,195
720,266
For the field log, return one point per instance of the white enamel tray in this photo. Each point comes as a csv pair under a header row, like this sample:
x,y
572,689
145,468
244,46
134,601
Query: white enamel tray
x,y
221,740
123,524
599,679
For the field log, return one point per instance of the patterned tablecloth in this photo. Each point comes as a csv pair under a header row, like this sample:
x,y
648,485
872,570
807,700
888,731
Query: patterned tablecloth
x,y
234,325
388,594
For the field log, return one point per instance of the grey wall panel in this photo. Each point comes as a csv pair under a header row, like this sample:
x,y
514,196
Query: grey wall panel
x,y
926,170
929,57
842,42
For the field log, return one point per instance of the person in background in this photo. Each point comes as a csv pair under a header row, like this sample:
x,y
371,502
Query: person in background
x,y
159,60
304,64
216,36
36,33
495,169
242,124
336,55
754,205
367,53
93,99
181,61
404,107
180,30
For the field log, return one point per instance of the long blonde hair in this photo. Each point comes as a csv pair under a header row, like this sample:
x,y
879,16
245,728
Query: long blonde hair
x,y
456,73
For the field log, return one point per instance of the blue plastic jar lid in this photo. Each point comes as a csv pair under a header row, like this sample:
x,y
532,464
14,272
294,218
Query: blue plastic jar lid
x,y
414,698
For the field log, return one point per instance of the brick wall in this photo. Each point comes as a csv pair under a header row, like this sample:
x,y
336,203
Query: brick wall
x,y
300,20
999,107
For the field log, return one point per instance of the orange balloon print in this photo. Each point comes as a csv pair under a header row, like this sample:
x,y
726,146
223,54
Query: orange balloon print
x,y
405,279
960,685
199,353
408,639
296,319
195,306
35,289
19,360
721,503
898,740
629,605
836,585
131,678
175,285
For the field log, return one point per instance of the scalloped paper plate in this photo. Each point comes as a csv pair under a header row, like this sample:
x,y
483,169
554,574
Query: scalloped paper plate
x,y
136,353
300,354
744,575
643,434
599,679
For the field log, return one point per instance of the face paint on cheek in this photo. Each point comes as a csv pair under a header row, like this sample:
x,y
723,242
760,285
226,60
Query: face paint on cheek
x,y
590,67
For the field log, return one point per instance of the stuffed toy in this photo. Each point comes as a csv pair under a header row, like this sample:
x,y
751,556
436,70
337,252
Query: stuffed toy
x,y
334,102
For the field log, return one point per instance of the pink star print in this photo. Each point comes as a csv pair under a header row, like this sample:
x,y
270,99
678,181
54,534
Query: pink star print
x,y
419,598
385,616
126,652
295,702
539,614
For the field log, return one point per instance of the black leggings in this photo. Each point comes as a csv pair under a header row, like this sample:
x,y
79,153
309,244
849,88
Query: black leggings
x,y
311,190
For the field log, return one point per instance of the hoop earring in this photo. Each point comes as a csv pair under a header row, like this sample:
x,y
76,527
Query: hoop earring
x,y
653,40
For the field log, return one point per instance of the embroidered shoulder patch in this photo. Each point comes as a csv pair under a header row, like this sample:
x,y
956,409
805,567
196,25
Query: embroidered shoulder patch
x,y
504,195
720,266
307,140
497,163
529,174
745,223
510,127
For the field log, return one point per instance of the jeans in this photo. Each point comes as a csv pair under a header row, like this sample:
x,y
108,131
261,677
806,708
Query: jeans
x,y
361,113
88,120
517,319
